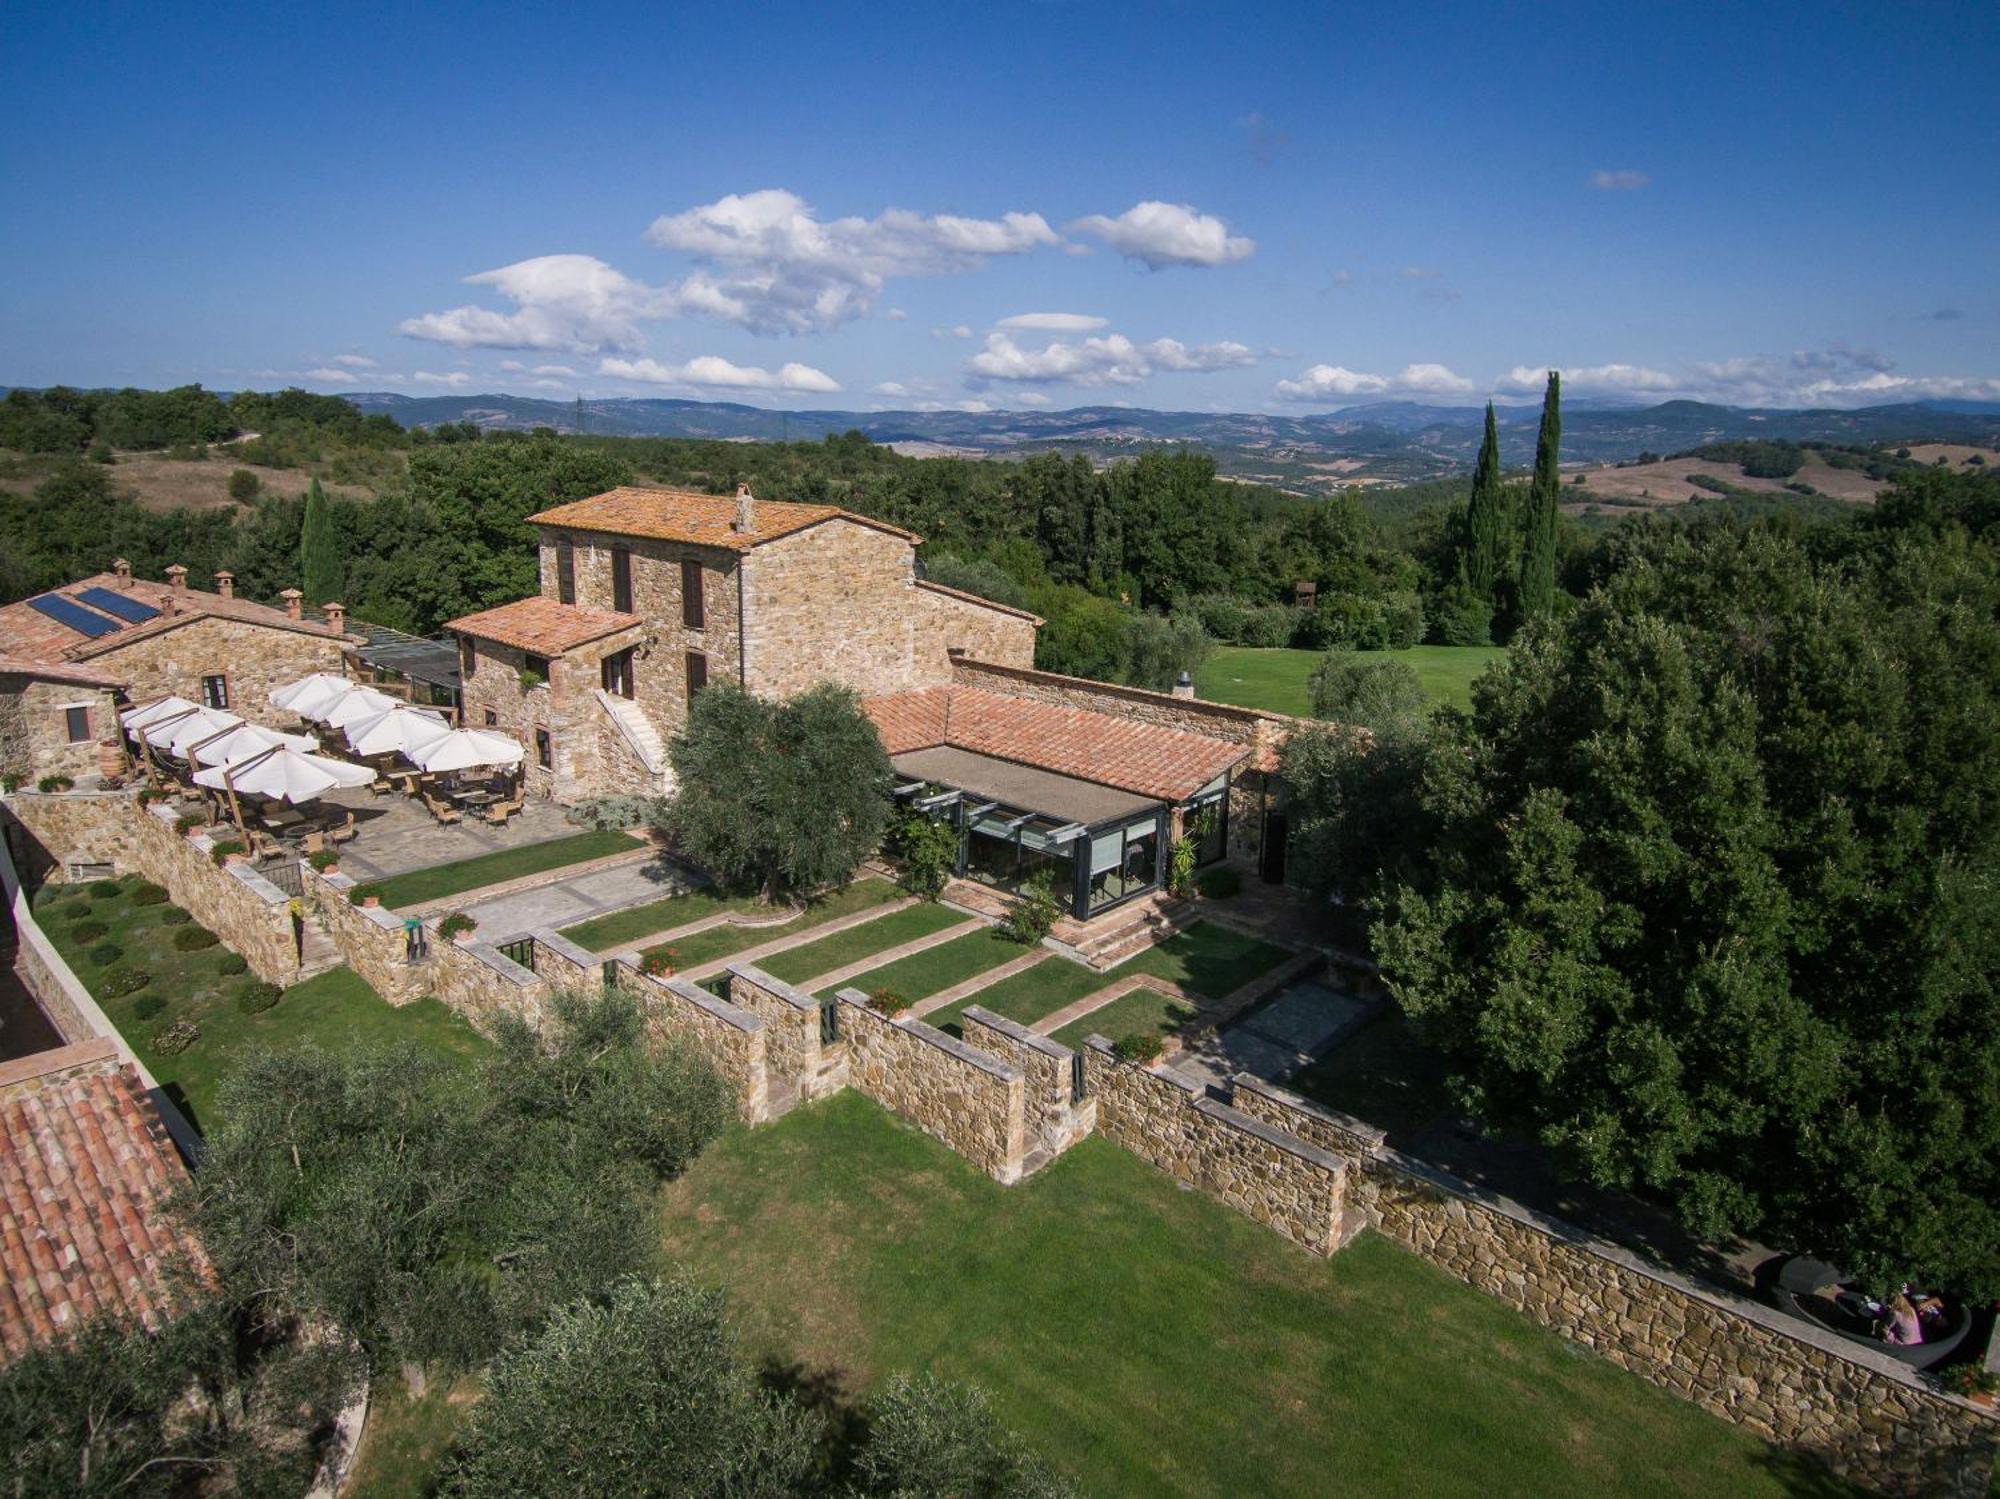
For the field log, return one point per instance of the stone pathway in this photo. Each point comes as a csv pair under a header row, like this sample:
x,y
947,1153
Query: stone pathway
x,y
395,834
565,902
980,982
812,933
1306,1019
1097,999
889,955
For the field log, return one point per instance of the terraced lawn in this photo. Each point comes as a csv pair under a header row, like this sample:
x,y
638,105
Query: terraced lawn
x,y
725,941
808,961
1208,959
421,886
1138,1013
1275,679
1026,997
923,974
603,933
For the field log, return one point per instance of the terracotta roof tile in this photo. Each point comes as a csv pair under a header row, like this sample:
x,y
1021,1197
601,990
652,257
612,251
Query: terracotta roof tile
x,y
1150,759
32,636
85,1165
543,626
699,519
55,671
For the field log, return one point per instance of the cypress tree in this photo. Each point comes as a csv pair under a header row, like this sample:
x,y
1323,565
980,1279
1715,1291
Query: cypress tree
x,y
1489,540
1538,556
319,550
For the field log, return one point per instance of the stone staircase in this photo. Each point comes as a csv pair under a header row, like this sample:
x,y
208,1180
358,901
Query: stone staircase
x,y
318,952
637,730
1109,940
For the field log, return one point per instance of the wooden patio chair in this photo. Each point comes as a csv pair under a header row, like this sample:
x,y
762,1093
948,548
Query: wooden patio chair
x,y
499,812
438,809
312,843
344,832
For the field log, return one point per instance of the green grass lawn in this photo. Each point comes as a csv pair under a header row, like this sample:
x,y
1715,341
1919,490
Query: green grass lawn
x,y
1207,958
1275,679
725,941
922,974
1382,1074
603,933
1136,1013
421,886
1153,1342
1027,996
809,960
335,1010
405,1439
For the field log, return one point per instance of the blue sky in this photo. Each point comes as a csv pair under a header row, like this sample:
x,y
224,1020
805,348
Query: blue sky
x,y
1286,208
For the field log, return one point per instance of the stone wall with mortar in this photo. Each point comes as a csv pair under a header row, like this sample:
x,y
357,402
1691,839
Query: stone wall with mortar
x,y
963,624
1859,1411
588,757
1054,1120
792,1044
370,939
1265,1172
34,729
249,913
92,827
731,1038
251,658
970,1099
833,602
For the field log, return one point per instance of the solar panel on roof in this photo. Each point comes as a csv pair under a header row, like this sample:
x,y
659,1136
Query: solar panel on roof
x,y
126,608
73,616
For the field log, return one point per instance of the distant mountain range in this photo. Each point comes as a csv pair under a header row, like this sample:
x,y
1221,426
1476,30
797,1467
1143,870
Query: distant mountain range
x,y
1382,440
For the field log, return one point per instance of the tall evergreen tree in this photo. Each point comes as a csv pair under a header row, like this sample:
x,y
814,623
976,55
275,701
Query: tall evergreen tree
x,y
1489,533
1538,555
319,550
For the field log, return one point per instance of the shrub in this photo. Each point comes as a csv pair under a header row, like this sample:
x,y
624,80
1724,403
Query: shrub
x,y
887,1002
1140,1046
148,795
615,813
148,894
175,916
89,929
256,996
1035,913
455,923
54,783
103,890
530,680
359,894
243,485
116,983
1970,1379
929,850
231,963
659,963
10,782
146,1006
1219,884
104,954
194,939
172,1040
187,822
223,848
323,859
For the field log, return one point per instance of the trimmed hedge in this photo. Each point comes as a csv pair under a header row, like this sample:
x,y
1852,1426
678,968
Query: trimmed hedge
x,y
194,939
231,963
255,997
89,930
104,954
172,1040
116,983
103,889
146,893
175,916
146,1006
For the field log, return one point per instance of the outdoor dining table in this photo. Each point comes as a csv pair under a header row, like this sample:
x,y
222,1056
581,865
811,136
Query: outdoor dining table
x,y
283,818
474,796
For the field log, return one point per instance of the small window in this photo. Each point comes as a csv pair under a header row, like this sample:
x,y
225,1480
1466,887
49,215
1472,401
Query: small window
x,y
215,692
492,719
538,666
697,669
616,672
693,615
78,723
468,659
545,753
565,573
621,580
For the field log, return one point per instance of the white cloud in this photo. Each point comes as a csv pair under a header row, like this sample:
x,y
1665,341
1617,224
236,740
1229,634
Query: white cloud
x,y
1332,381
1837,376
455,380
355,361
512,366
328,376
553,369
973,405
548,385
1055,322
959,330
710,369
1111,360
767,263
561,302
889,388
1623,180
1032,398
1532,379
1164,234
1420,273
895,314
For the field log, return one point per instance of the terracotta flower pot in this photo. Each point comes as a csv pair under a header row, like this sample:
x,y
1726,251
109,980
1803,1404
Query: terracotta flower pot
x,y
371,900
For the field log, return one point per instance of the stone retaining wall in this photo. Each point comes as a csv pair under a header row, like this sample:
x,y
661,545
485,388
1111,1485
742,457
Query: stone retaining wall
x,y
966,1097
1265,1172
731,1038
92,827
1054,1120
369,938
792,1043
1860,1411
248,912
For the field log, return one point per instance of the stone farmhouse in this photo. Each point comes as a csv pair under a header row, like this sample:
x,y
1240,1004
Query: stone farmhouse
x,y
70,657
649,595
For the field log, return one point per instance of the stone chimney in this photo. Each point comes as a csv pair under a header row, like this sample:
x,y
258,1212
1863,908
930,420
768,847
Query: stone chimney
x,y
225,584
1184,686
336,618
122,570
746,510
177,577
291,596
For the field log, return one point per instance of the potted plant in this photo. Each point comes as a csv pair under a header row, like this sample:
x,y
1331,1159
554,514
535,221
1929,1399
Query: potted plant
x,y
325,860
188,823
659,963
1975,1382
887,1002
364,895
10,782
1139,1048
55,783
227,851
458,926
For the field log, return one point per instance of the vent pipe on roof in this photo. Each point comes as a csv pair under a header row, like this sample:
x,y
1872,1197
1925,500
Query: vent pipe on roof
x,y
291,596
746,510
1184,685
177,577
225,584
122,570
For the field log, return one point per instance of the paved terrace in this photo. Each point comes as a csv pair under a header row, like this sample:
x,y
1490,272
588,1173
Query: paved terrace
x,y
394,834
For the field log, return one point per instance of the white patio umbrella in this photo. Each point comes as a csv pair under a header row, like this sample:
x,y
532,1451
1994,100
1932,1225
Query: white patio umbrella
x,y
155,711
182,734
396,730
284,773
356,704
309,694
245,740
466,749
